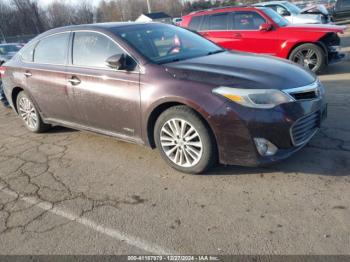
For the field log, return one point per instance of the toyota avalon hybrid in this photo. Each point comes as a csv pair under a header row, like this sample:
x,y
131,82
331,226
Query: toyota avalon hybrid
x,y
167,88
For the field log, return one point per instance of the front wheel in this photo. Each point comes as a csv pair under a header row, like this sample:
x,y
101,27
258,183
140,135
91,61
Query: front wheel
x,y
29,114
310,56
185,142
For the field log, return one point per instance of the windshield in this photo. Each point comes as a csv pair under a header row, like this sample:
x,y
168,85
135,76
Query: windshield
x,y
278,19
5,49
164,43
292,8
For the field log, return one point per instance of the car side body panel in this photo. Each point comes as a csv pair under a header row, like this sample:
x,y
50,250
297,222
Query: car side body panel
x,y
279,41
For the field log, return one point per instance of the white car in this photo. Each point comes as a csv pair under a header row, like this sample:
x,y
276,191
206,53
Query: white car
x,y
315,14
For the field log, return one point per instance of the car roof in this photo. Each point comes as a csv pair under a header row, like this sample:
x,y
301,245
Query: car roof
x,y
271,3
223,8
93,27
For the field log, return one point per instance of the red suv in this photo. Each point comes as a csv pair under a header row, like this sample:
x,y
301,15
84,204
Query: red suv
x,y
262,30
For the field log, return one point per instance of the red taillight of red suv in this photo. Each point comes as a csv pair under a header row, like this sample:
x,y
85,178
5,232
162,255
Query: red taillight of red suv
x,y
2,71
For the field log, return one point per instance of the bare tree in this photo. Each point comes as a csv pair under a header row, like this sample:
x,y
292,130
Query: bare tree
x,y
84,13
28,11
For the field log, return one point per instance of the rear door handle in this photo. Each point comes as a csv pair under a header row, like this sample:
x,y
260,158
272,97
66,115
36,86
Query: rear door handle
x,y
74,80
237,35
28,74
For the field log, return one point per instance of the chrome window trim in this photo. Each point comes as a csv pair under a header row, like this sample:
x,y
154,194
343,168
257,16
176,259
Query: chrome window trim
x,y
35,44
140,67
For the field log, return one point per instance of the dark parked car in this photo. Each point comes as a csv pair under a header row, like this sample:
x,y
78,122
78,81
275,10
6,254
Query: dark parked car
x,y
166,87
341,10
7,51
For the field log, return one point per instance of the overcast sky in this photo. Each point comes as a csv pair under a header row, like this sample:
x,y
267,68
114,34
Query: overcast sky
x,y
45,2
95,2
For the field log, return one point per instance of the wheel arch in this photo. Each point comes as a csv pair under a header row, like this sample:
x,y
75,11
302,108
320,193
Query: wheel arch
x,y
317,43
160,108
15,91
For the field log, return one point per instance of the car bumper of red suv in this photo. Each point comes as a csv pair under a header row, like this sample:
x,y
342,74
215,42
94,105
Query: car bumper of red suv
x,y
288,127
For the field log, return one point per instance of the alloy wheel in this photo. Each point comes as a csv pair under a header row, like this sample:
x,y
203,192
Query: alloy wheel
x,y
308,58
28,113
181,142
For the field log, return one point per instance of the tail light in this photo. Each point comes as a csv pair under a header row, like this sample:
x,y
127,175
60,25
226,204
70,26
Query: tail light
x,y
2,71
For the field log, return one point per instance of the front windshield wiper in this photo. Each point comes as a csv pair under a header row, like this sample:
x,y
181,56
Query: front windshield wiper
x,y
216,52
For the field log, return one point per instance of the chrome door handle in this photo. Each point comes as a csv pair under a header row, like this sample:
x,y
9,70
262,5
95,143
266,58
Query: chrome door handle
x,y
28,74
74,81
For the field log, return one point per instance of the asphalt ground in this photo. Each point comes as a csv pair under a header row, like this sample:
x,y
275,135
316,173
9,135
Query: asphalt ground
x,y
72,192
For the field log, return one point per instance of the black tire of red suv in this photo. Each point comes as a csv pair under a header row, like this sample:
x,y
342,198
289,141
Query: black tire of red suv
x,y
317,52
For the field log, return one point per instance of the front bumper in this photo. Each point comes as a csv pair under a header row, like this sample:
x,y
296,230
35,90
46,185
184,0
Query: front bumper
x,y
335,54
235,128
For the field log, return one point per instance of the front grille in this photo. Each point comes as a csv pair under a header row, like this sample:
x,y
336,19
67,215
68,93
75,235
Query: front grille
x,y
309,92
305,95
304,128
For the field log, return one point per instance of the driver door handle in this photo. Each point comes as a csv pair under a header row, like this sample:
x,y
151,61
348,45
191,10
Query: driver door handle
x,y
28,74
74,80
237,35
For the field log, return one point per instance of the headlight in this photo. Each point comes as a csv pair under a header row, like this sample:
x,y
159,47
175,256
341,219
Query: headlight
x,y
255,98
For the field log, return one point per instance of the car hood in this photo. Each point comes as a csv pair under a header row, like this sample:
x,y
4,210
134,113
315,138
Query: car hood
x,y
241,70
315,9
307,18
316,28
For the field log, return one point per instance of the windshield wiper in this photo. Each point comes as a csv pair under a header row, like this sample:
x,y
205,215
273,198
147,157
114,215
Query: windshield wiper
x,y
216,52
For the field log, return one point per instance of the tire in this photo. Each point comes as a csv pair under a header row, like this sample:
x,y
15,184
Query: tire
x,y
29,114
187,150
310,56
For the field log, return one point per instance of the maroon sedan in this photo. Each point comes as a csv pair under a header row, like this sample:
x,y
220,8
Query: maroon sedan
x,y
166,87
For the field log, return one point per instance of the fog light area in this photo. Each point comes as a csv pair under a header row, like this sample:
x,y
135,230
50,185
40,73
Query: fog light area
x,y
265,147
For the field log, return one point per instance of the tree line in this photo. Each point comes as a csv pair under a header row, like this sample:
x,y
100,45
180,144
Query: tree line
x,y
28,17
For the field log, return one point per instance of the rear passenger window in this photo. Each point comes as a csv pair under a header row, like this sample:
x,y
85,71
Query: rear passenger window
x,y
52,50
247,20
93,49
195,23
27,53
218,22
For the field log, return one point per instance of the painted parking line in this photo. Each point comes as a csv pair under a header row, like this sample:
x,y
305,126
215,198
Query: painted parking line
x,y
111,232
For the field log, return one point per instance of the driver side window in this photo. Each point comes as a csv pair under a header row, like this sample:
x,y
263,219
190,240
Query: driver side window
x,y
93,49
247,20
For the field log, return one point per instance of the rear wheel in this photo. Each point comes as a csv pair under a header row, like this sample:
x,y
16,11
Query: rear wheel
x,y
29,114
184,140
310,56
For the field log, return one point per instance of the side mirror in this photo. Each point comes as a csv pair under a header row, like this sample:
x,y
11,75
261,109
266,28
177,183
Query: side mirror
x,y
116,61
265,27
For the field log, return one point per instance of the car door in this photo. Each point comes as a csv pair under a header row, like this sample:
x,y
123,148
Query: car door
x,y
247,34
46,77
215,27
107,99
